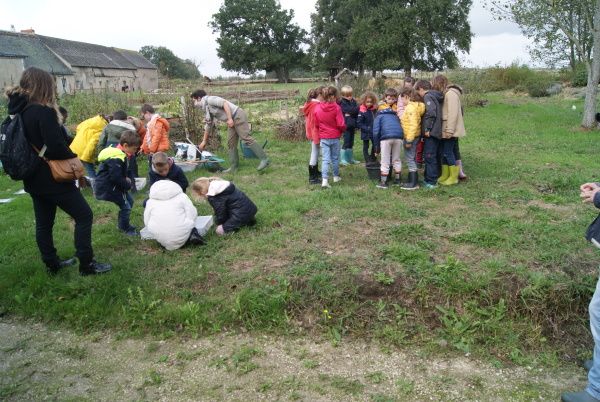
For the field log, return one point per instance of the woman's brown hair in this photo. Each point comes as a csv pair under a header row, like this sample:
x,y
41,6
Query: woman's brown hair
x,y
39,86
330,92
439,83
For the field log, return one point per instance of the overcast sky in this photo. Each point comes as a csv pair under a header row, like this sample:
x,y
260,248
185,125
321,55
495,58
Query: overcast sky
x,y
182,26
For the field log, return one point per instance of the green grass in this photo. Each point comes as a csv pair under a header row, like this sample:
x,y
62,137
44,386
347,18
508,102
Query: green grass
x,y
497,265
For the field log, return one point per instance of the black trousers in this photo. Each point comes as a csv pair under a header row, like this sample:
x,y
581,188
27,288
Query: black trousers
x,y
73,203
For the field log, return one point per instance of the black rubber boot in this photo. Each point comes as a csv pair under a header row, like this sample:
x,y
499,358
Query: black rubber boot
x,y
412,182
313,175
94,268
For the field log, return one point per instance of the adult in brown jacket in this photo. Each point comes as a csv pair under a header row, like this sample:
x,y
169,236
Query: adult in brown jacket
x,y
453,128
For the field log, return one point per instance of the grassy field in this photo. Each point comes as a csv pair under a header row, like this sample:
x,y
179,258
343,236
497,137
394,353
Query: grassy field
x,y
496,266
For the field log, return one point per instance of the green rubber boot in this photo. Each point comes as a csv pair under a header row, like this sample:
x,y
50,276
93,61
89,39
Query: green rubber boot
x,y
344,158
234,160
452,176
445,173
260,153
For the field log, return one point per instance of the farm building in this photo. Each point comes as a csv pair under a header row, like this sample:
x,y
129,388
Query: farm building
x,y
75,65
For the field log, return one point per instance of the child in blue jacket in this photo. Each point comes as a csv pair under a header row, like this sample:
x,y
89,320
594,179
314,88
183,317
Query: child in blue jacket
x,y
350,111
113,182
366,117
387,138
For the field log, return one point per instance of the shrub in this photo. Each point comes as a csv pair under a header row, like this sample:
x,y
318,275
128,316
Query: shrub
x,y
538,84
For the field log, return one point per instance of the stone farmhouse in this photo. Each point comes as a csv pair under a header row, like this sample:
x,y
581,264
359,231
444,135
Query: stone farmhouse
x,y
76,66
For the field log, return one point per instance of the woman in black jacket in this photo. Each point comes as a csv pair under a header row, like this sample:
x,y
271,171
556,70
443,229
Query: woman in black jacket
x,y
35,99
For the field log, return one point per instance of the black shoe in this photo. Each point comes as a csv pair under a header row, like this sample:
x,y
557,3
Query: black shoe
x,y
94,268
54,268
195,239
382,184
313,176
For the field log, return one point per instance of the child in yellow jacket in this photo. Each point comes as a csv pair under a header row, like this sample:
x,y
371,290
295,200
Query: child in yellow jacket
x,y
411,125
85,142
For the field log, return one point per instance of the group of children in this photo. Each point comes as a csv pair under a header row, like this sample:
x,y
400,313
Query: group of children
x,y
113,144
425,119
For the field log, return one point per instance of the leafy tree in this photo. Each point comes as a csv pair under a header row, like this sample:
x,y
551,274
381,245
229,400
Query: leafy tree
x,y
572,25
169,65
258,35
402,34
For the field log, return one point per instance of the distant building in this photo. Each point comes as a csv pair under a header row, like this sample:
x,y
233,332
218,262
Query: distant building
x,y
76,66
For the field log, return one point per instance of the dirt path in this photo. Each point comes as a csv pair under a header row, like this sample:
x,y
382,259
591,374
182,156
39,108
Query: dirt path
x,y
37,363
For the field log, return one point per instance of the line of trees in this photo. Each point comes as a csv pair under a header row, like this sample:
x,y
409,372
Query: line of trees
x,y
169,65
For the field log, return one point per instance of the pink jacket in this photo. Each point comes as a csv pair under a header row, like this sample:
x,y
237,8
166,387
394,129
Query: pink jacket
x,y
309,108
329,120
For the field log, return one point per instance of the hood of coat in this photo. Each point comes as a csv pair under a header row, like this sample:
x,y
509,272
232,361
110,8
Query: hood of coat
x,y
363,108
217,187
388,110
455,88
437,95
165,190
16,102
111,153
328,106
123,124
310,106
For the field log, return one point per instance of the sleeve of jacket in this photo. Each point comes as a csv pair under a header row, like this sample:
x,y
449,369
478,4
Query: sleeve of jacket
x,y
430,115
148,212
153,178
340,121
453,107
102,141
597,200
220,207
56,147
190,210
181,179
360,121
115,172
376,131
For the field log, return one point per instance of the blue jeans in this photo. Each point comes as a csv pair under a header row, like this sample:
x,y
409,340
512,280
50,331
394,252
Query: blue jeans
x,y
330,151
411,155
431,158
448,151
125,206
593,387
89,168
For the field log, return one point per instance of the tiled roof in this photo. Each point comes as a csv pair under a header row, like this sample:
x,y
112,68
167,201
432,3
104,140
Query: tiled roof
x,y
136,58
33,52
80,54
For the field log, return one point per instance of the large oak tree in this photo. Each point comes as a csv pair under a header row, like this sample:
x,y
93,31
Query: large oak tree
x,y
258,35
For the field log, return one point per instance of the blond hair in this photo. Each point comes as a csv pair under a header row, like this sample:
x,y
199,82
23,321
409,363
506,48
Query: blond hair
x,y
200,187
346,90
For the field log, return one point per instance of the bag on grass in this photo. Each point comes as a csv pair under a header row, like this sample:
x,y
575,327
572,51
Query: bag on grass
x,y
19,160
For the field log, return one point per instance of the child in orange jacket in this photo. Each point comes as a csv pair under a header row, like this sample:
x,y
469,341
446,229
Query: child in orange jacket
x,y
157,131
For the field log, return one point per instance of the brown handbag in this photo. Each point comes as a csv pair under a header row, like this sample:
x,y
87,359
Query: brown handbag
x,y
63,170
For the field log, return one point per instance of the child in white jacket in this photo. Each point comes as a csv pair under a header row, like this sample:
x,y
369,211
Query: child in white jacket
x,y
170,215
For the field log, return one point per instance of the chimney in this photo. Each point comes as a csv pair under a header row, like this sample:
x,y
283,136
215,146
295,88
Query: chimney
x,y
29,31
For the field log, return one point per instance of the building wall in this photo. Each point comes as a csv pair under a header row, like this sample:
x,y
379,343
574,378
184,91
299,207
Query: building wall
x,y
88,78
65,84
10,71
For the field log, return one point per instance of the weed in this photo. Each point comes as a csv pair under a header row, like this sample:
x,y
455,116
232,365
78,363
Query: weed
x,y
75,352
376,377
154,378
384,278
405,386
310,364
241,359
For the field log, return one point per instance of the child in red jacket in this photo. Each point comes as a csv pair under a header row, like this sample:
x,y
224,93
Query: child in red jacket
x,y
312,134
330,124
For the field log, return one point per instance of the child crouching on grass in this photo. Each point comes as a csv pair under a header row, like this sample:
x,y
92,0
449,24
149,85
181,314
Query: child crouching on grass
x,y
329,121
233,209
113,182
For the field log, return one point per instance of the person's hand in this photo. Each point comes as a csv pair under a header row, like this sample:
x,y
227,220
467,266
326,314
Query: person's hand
x,y
202,145
426,134
128,180
407,145
588,195
220,231
588,187
230,123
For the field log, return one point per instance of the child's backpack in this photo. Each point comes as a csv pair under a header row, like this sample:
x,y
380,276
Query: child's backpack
x,y
18,158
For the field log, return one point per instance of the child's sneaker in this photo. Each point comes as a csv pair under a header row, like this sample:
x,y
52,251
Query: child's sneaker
x,y
337,179
131,232
325,184
429,186
382,184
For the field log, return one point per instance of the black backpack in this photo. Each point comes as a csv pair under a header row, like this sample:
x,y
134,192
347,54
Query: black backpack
x,y
18,158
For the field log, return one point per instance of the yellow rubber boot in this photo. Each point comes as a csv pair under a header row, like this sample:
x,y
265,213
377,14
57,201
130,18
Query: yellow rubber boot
x,y
445,173
452,177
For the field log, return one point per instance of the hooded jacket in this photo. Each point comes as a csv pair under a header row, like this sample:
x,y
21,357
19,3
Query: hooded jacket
x,y
312,133
111,134
453,125
156,138
86,138
111,183
411,120
170,215
175,174
432,120
364,122
329,120
42,128
386,127
233,209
